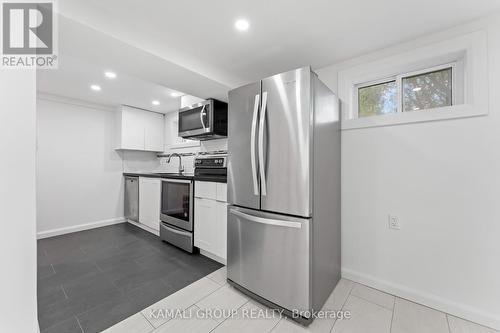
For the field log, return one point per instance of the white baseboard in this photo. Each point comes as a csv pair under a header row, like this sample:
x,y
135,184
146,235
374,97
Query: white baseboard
x,y
80,227
144,227
213,256
424,298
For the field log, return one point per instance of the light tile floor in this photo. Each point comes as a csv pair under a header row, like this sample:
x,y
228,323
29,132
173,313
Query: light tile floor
x,y
371,311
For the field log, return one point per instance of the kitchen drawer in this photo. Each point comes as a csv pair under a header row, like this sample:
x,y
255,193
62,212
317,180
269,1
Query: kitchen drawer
x,y
221,192
206,190
177,237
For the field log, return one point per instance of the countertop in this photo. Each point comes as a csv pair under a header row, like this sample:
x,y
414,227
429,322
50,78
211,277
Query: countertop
x,y
206,178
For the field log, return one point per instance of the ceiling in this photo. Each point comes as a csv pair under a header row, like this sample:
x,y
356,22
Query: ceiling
x,y
85,54
283,34
189,46
74,77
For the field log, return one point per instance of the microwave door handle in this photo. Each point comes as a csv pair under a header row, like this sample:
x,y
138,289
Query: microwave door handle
x,y
253,159
261,143
202,113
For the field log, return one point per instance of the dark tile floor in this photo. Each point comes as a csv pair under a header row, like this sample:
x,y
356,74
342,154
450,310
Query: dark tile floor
x,y
93,279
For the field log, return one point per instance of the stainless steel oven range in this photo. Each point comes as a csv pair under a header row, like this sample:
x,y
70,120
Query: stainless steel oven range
x,y
177,213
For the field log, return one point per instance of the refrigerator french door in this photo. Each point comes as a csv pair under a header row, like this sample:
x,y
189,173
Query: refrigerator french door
x,y
270,144
244,185
284,142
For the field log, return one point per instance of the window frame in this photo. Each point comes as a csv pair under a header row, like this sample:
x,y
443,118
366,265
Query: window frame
x,y
457,87
468,47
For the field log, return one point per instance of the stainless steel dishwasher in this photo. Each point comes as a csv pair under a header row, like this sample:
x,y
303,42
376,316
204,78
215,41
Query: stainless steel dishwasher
x,y
132,198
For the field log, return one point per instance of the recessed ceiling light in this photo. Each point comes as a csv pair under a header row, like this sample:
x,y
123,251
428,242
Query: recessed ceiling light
x,y
241,25
95,87
110,75
155,102
175,94
417,89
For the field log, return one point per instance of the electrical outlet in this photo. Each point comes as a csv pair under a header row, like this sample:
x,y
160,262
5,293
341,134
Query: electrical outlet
x,y
394,222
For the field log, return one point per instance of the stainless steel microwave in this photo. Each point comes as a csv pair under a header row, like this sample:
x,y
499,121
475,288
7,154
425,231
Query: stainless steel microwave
x,y
203,121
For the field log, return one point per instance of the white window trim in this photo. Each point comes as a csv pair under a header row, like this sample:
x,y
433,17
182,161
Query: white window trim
x,y
466,54
457,86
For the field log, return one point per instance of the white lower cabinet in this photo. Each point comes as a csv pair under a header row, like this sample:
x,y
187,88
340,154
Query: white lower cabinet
x,y
205,222
210,218
221,244
149,202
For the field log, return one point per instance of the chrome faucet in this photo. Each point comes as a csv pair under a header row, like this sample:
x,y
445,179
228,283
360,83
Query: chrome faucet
x,y
181,168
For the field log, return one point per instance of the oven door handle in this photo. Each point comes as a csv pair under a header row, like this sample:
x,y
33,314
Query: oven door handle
x,y
175,231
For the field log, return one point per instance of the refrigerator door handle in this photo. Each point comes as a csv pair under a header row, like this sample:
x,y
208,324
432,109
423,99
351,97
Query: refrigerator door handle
x,y
280,223
252,146
261,142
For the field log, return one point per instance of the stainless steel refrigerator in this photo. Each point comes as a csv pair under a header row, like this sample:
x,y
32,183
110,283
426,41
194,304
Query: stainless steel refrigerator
x,y
284,191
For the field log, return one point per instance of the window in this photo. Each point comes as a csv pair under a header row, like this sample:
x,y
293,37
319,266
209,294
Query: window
x,y
377,99
423,90
428,90
446,79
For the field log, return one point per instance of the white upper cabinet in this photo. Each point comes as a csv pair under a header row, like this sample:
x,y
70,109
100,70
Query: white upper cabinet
x,y
139,129
131,128
154,131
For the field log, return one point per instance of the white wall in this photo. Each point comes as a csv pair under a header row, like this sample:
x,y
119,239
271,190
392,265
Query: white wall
x,y
442,179
79,174
18,310
139,161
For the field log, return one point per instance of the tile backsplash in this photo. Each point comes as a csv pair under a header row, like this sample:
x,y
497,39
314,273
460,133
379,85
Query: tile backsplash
x,y
210,145
188,161
138,161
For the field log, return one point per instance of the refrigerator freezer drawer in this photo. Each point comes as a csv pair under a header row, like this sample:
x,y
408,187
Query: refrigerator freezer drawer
x,y
269,254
